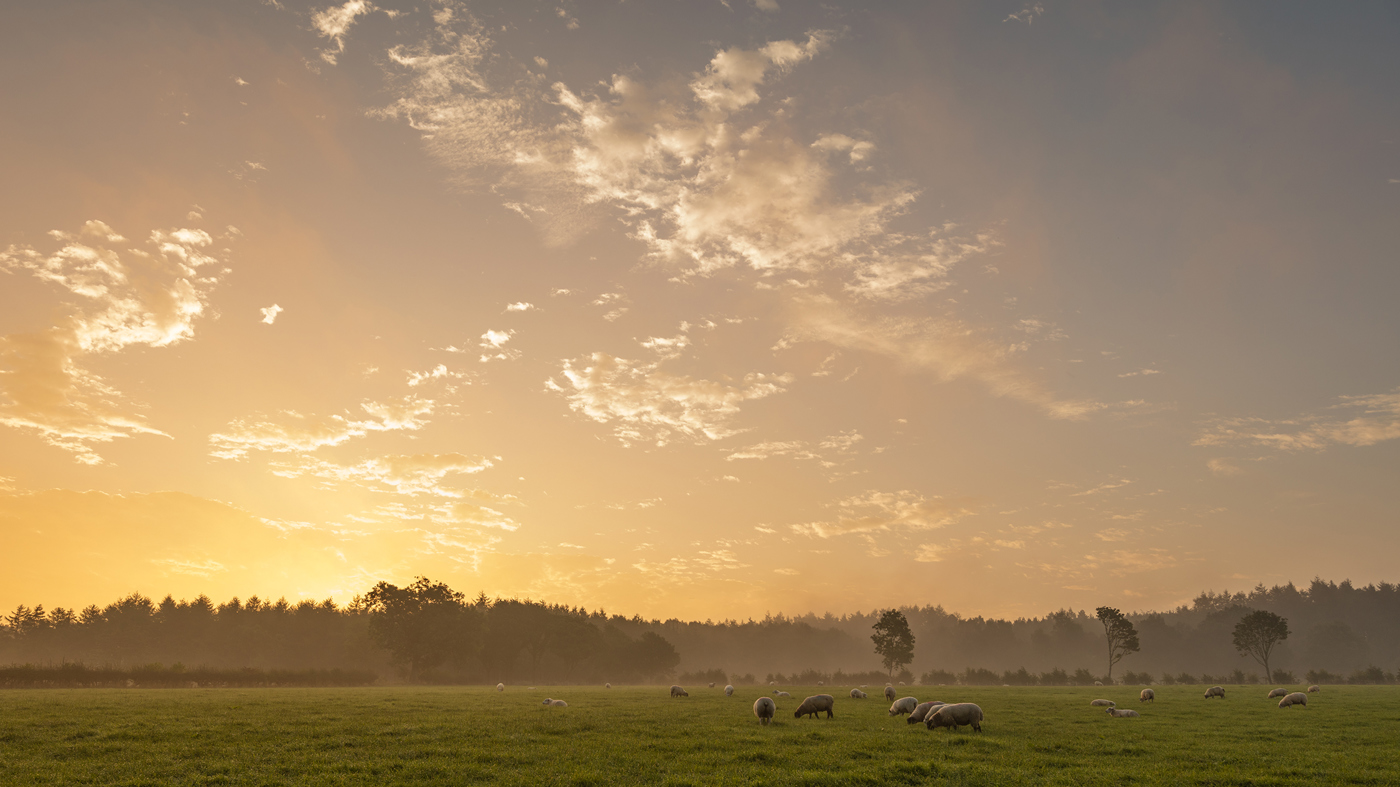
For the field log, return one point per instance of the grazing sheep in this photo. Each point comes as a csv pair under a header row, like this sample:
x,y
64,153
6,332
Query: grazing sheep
x,y
607,685
1103,703
1215,691
712,684
955,716
781,694
890,693
903,705
1123,714
500,687
1314,689
1296,698
857,694
901,683
677,691
764,708
921,713
1278,693
815,704
1147,695
772,683
729,691
1098,683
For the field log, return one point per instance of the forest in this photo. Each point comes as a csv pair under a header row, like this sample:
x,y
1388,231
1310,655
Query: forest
x,y
428,632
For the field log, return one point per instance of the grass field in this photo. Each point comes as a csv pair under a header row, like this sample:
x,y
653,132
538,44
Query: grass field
x,y
638,735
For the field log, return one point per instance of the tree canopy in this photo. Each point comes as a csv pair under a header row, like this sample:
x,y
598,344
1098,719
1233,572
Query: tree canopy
x,y
1122,637
1256,635
894,641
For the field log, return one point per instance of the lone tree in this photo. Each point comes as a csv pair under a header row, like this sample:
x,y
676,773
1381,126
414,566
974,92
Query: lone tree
x,y
894,642
421,625
1256,635
1122,637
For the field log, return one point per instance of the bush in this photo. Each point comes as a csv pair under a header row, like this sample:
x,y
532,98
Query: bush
x,y
1018,678
938,677
747,679
1322,676
1167,679
1082,677
1055,677
980,677
702,677
1186,679
1371,675
872,677
810,677
1137,679
1284,677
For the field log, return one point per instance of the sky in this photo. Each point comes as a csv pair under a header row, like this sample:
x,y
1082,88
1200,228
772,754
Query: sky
x,y
699,309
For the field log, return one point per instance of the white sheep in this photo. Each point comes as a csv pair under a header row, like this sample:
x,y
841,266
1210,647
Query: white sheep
x,y
712,684
1278,693
1314,689
1147,695
817,703
772,683
1296,698
779,693
559,704
677,691
729,691
1123,714
607,685
890,693
1103,703
764,708
901,683
857,694
820,683
1215,691
922,711
903,705
500,687
963,713
1098,683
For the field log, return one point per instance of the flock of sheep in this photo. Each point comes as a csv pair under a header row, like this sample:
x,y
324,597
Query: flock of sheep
x,y
936,713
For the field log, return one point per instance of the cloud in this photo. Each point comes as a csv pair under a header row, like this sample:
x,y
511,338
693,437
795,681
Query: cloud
x,y
194,568
334,23
1223,467
883,511
520,306
1026,14
1141,372
930,553
1375,419
494,344
645,404
296,433
147,294
828,451
269,313
418,474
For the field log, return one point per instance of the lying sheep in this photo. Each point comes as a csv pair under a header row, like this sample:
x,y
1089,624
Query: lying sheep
x,y
820,683
901,683
1296,698
764,708
1103,703
815,704
677,691
500,687
1147,695
772,683
1122,714
607,685
729,691
712,684
922,711
890,693
1278,693
1314,689
963,713
1098,683
857,694
903,705
559,704
1215,691
781,694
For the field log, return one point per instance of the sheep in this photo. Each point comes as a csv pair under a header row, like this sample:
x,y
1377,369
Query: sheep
x,y
607,685
901,683
955,716
1103,704
677,691
1098,683
1122,714
729,691
1314,689
772,683
500,687
1215,691
1147,695
781,694
712,684
903,705
559,704
890,693
764,708
857,694
1296,698
1278,693
922,711
815,704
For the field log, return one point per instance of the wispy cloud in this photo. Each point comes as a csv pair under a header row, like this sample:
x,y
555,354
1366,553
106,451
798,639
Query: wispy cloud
x,y
130,294
334,23
1353,420
293,432
881,511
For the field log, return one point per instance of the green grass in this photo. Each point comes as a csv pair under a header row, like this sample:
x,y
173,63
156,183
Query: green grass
x,y
429,736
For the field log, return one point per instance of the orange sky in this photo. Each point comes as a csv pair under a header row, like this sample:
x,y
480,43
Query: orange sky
x,y
698,310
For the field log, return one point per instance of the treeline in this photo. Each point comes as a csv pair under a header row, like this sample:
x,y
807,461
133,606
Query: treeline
x,y
428,632
79,676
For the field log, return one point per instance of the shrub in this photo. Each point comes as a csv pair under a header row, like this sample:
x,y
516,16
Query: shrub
x,y
1371,674
1322,676
1137,679
1186,679
1284,676
1055,677
716,676
980,677
1082,677
1167,679
747,679
1018,678
938,677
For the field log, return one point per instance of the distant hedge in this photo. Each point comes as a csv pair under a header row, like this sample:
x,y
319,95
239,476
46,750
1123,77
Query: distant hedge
x,y
76,676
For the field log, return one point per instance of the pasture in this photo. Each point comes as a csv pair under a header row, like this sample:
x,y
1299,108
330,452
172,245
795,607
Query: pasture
x,y
638,735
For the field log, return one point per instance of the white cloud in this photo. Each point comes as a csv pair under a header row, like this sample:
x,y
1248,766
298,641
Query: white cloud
x,y
1375,419
296,433
1027,14
129,294
494,344
419,474
645,404
520,306
334,23
771,6
1141,373
269,314
882,511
